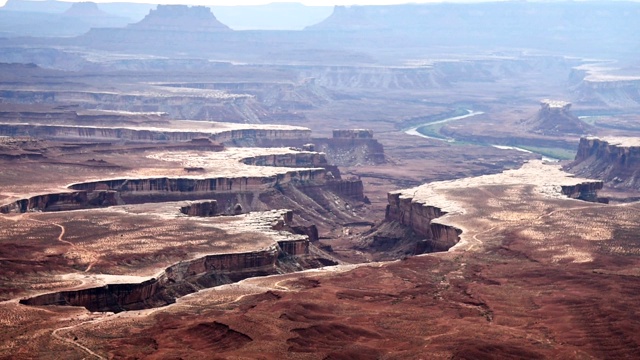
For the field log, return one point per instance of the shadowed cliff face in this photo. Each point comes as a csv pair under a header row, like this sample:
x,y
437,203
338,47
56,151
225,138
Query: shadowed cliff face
x,y
613,161
418,218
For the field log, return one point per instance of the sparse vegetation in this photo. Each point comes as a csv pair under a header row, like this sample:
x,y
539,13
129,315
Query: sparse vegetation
x,y
555,153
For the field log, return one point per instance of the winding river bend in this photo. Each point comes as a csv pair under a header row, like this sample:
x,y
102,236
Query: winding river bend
x,y
414,131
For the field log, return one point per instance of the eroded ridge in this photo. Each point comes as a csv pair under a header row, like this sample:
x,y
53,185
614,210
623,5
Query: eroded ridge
x,y
438,212
222,175
286,253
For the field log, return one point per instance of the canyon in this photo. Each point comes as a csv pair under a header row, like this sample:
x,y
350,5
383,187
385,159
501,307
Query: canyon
x,y
457,180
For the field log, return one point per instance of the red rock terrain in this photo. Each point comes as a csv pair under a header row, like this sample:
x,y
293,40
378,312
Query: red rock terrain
x,y
129,230
526,280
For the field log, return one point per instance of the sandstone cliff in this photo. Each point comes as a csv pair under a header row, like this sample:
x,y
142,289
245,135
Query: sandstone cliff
x,y
613,160
419,217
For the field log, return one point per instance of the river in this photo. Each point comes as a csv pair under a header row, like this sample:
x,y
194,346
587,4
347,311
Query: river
x,y
414,131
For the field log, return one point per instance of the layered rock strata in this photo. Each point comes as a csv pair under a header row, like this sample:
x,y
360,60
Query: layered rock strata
x,y
190,276
224,176
426,209
615,160
222,133
419,217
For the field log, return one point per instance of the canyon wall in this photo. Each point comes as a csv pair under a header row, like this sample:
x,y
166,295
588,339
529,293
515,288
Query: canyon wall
x,y
208,105
225,193
419,218
148,135
200,185
616,161
353,189
73,200
176,281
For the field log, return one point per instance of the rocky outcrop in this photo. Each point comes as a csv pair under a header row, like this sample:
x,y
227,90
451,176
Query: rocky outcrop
x,y
616,161
295,247
583,191
67,20
418,217
180,18
555,118
286,224
203,209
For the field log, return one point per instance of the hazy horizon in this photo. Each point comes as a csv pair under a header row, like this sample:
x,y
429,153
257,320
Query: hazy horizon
x,y
259,2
